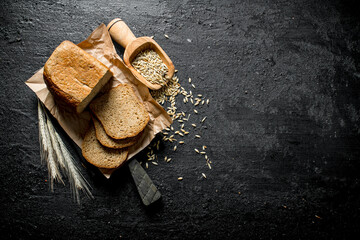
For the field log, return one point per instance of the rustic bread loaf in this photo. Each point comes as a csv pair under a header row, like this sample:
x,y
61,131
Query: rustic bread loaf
x,y
74,77
120,112
101,156
109,142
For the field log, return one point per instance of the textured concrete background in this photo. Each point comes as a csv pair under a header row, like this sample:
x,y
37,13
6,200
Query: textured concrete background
x,y
283,128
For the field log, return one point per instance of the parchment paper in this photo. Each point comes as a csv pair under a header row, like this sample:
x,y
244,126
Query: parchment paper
x,y
100,45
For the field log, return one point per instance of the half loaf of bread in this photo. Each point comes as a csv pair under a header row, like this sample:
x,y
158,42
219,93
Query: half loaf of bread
x,y
120,112
109,142
101,156
74,77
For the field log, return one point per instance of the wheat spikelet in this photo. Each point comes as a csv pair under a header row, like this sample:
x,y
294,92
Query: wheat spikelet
x,y
42,134
76,179
46,150
55,154
54,173
55,144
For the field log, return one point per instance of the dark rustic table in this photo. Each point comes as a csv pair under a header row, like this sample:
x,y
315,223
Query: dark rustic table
x,y
282,127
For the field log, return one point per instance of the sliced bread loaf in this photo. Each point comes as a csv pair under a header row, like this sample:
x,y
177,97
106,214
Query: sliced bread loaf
x,y
74,77
101,156
109,142
120,112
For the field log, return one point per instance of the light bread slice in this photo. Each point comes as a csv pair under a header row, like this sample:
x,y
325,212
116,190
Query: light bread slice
x,y
120,112
100,156
109,142
74,77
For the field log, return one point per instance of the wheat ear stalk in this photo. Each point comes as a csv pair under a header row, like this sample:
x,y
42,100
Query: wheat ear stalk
x,y
77,180
55,154
46,150
55,144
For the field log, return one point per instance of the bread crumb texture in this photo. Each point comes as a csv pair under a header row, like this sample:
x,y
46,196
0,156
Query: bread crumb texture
x,y
107,141
120,112
99,155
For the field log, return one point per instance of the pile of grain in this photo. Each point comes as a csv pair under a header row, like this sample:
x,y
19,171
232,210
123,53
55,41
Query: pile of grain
x,y
184,125
149,64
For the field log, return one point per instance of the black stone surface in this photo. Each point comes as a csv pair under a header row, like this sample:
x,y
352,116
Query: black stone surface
x,y
282,128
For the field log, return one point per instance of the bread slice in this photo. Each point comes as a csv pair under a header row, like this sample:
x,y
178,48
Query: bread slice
x,y
120,112
109,142
74,77
100,156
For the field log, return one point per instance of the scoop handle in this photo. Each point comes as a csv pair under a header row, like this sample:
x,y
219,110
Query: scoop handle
x,y
120,32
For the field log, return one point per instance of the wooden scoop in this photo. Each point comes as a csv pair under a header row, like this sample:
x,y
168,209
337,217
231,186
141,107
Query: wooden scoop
x,y
122,34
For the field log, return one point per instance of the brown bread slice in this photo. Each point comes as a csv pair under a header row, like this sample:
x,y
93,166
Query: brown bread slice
x,y
100,156
120,112
74,77
109,142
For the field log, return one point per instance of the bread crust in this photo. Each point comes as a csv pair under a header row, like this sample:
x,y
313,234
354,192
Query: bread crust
x,y
72,75
62,98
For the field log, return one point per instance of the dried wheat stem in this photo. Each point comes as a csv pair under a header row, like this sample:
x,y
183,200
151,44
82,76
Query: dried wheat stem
x,y
46,151
42,134
55,153
55,144
77,181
